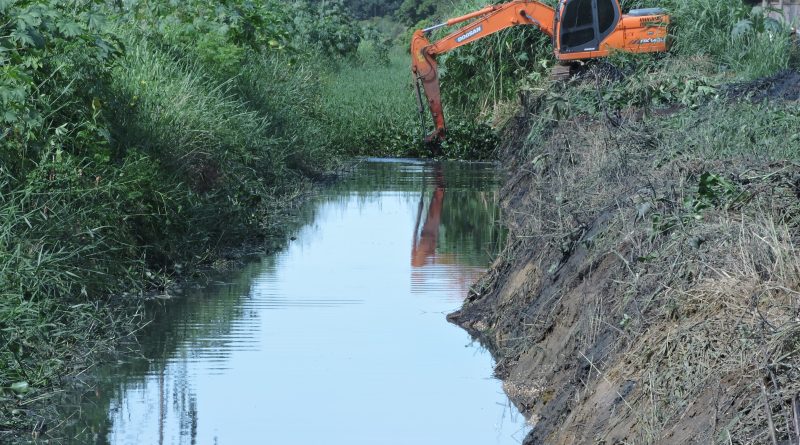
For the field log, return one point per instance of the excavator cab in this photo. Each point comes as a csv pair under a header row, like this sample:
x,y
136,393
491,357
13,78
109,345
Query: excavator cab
x,y
580,30
583,24
586,29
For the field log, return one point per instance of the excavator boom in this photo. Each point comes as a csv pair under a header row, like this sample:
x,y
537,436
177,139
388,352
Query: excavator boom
x,y
580,30
489,21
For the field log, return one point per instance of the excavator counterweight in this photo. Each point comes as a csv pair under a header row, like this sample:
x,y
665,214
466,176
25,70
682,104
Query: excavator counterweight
x,y
579,29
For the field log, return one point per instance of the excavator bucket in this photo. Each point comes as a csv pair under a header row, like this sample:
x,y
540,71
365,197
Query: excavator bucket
x,y
426,75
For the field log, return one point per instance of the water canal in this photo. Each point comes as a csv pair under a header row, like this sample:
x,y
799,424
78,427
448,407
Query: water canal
x,y
340,338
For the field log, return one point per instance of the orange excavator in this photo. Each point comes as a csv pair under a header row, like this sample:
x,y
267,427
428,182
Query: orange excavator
x,y
580,30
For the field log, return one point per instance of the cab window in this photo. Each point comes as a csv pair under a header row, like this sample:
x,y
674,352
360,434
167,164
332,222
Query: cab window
x,y
577,27
585,23
606,15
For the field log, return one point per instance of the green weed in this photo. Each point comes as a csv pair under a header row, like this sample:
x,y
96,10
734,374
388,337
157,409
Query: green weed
x,y
137,144
370,107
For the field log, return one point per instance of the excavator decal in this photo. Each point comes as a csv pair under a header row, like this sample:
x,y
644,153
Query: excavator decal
x,y
469,34
580,30
647,41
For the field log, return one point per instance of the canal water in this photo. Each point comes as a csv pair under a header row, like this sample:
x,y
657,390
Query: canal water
x,y
340,338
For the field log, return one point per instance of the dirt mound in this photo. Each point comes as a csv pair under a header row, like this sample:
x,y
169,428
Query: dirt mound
x,y
782,86
644,298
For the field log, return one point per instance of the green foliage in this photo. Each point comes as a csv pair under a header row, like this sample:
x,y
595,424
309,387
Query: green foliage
x,y
365,9
54,61
413,11
137,142
329,27
476,77
372,8
290,93
738,37
371,110
713,191
370,107
380,44
467,139
65,242
204,138
261,26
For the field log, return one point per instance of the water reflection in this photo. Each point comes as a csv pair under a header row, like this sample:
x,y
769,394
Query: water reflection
x,y
337,339
468,220
425,240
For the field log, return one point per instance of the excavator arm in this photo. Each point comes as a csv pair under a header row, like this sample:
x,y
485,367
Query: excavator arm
x,y
489,20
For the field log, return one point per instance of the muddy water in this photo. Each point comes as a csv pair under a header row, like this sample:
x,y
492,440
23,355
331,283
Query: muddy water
x,y
340,338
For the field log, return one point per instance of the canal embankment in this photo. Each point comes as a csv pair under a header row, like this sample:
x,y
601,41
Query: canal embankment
x,y
650,286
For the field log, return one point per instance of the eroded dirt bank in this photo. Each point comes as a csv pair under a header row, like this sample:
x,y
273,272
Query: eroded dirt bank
x,y
647,294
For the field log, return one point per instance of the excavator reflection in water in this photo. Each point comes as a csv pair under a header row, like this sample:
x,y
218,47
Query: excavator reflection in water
x,y
431,268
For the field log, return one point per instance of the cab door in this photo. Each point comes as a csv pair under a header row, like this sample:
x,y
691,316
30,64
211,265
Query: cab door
x,y
584,24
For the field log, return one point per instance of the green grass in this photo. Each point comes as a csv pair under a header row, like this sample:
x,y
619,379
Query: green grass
x,y
371,109
708,27
754,131
63,248
370,106
189,165
228,159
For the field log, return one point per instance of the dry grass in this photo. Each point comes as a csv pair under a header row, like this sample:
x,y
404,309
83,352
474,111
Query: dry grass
x,y
729,318
655,289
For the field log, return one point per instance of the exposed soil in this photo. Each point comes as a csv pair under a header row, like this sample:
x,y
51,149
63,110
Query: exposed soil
x,y
783,86
643,298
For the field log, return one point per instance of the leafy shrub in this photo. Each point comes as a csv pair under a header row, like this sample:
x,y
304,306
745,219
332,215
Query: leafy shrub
x,y
739,37
477,76
329,27
55,60
364,9
413,11
261,26
469,140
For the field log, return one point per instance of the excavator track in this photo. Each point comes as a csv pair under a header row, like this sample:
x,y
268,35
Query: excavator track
x,y
560,72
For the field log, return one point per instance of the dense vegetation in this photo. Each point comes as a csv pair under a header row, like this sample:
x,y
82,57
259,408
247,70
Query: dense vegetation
x,y
139,139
